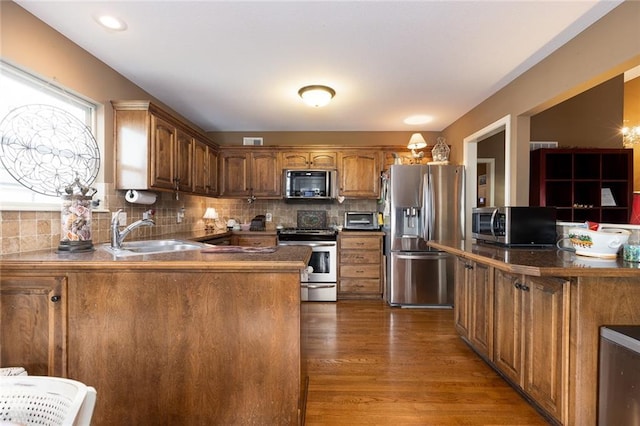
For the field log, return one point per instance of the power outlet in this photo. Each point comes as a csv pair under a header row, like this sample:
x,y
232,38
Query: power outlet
x,y
269,217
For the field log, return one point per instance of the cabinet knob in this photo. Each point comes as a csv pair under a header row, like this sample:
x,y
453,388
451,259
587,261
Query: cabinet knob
x,y
55,299
467,266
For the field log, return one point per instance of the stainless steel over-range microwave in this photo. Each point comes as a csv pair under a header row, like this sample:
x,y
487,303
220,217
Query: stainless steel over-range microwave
x,y
309,184
515,226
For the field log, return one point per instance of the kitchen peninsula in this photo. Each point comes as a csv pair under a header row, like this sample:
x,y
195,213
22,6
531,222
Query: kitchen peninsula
x,y
185,338
535,315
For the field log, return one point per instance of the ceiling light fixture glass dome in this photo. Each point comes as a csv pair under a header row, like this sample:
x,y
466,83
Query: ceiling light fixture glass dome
x,y
316,95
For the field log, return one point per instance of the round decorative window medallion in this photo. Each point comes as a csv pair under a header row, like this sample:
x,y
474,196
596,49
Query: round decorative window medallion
x,y
45,149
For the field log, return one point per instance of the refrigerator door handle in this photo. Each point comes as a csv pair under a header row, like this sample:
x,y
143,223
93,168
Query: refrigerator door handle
x,y
431,255
427,211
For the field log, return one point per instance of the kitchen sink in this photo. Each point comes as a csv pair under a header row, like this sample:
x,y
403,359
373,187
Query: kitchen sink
x,y
134,248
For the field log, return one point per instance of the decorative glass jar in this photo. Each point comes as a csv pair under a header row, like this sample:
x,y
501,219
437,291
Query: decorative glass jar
x,y
75,230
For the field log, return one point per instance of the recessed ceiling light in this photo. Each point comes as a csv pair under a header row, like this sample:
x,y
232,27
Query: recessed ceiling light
x,y
111,22
418,119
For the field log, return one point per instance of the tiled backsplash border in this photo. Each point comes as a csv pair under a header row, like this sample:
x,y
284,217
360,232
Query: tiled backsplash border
x,y
25,231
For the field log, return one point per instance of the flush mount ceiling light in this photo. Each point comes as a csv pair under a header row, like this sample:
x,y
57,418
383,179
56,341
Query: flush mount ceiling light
x,y
111,22
418,119
316,95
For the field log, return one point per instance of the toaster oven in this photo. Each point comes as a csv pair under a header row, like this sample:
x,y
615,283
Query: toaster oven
x,y
361,221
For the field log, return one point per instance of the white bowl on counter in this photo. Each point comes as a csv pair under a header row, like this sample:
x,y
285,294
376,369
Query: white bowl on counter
x,y
604,243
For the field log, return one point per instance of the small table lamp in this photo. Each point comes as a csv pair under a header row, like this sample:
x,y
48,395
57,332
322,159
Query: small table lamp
x,y
417,142
210,217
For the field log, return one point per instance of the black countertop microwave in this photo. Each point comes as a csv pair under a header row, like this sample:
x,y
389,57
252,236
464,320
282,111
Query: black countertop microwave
x,y
515,226
309,184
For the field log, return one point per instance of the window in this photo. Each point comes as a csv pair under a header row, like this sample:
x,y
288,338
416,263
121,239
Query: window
x,y
20,89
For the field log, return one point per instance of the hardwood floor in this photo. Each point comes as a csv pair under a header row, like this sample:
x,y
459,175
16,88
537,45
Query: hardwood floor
x,y
372,364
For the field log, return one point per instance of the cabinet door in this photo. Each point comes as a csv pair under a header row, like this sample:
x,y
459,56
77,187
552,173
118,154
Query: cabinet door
x,y
205,169
507,353
163,142
295,160
212,171
322,160
266,175
546,313
33,314
308,160
184,160
461,296
234,174
359,175
200,167
481,308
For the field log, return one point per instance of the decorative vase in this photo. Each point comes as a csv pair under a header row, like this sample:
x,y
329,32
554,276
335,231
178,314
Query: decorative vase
x,y
440,151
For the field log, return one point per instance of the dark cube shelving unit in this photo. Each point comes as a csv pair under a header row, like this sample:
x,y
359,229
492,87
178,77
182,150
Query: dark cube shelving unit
x,y
572,181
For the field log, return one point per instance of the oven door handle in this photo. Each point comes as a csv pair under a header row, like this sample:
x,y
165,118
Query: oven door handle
x,y
314,286
297,243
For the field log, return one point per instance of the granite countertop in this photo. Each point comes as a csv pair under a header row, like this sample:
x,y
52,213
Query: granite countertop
x,y
538,261
281,258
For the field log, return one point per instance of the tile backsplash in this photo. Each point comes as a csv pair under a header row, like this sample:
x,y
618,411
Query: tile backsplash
x,y
24,231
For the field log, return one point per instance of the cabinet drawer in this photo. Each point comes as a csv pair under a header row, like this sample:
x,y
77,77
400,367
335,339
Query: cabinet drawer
x,y
362,243
360,271
239,240
351,285
360,256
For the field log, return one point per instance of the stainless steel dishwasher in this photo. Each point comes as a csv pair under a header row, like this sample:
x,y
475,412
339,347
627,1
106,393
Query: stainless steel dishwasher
x,y
619,393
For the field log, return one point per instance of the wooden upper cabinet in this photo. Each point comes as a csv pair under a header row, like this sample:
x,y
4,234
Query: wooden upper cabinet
x,y
163,150
156,150
234,174
308,159
266,174
205,169
184,161
359,174
245,173
402,156
33,314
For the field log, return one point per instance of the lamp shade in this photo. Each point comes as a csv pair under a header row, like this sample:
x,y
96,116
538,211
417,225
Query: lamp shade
x,y
316,95
210,213
416,141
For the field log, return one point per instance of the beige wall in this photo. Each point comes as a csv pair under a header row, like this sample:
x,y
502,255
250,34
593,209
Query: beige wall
x,y
590,119
606,49
600,53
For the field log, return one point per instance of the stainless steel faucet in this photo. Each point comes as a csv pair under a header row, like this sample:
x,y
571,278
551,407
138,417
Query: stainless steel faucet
x,y
117,236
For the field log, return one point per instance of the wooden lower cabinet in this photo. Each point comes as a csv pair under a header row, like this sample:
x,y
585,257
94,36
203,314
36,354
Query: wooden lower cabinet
x,y
474,301
507,354
360,265
530,337
546,338
33,314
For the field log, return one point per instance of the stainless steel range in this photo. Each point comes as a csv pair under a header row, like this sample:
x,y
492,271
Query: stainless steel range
x,y
319,283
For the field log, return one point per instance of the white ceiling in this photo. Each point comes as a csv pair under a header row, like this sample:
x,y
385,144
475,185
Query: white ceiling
x,y
237,65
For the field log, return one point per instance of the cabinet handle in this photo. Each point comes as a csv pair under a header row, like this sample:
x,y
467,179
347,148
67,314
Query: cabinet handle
x,y
522,287
467,266
55,299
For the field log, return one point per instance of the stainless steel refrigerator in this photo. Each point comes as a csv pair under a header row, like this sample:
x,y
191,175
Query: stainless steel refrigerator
x,y
423,202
